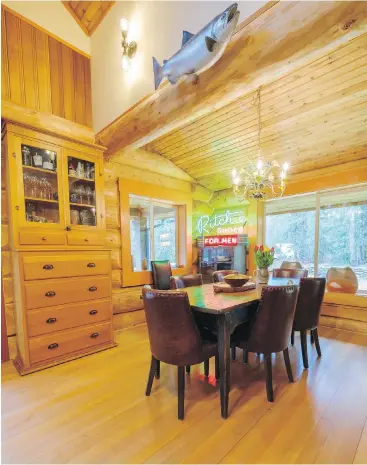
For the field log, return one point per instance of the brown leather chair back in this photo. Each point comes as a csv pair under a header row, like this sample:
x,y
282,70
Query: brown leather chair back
x,y
291,265
173,334
272,325
308,308
187,280
161,271
289,273
218,276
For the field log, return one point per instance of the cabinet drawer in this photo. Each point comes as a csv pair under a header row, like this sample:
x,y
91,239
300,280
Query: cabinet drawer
x,y
62,343
85,238
50,292
41,238
48,266
51,319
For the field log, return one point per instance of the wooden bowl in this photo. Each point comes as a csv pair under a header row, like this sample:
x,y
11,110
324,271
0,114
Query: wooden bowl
x,y
236,282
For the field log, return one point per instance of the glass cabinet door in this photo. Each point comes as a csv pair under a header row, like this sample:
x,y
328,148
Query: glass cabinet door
x,y
41,184
83,191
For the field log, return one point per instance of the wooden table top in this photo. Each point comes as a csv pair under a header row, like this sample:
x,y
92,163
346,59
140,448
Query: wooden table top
x,y
204,299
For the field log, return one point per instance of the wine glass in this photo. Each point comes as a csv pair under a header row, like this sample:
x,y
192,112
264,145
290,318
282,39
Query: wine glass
x,y
89,194
43,188
26,182
34,184
81,191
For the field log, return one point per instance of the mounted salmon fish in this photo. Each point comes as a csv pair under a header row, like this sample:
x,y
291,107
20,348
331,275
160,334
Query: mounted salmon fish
x,y
200,51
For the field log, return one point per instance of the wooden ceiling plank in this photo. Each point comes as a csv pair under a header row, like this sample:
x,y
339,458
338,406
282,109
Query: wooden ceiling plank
x,y
327,97
342,56
345,109
358,138
272,149
313,94
105,8
75,16
322,26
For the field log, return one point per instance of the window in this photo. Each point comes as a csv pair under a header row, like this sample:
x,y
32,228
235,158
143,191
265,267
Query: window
x,y
153,232
320,231
290,229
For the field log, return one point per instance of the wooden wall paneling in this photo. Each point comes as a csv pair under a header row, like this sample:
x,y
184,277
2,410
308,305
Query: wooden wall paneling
x,y
116,259
4,335
5,264
126,320
43,72
68,81
88,121
13,41
127,300
10,319
79,94
56,76
8,290
5,85
112,216
30,66
116,279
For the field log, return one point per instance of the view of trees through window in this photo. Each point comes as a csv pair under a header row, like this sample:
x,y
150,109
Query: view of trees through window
x,y
152,233
293,237
342,237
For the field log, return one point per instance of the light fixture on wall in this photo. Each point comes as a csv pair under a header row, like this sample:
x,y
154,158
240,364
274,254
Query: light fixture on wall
x,y
259,178
128,48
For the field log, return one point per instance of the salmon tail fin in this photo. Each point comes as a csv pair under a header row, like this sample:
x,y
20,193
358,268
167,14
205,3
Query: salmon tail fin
x,y
158,75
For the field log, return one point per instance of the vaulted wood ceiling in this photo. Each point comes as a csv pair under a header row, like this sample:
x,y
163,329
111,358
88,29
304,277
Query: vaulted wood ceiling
x,y
88,14
314,117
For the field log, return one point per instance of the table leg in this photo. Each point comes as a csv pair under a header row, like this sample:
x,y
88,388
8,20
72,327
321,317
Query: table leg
x,y
224,342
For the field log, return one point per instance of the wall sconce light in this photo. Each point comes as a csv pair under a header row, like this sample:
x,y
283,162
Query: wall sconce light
x,y
128,48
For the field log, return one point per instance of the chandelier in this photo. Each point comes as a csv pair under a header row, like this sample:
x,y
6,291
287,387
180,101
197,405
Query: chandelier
x,y
259,178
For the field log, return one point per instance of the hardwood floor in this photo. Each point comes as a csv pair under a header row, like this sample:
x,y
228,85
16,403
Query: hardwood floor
x,y
93,410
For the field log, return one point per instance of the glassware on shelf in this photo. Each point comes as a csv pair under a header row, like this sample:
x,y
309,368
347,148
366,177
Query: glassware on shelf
x,y
27,184
72,171
89,194
42,188
92,170
80,169
37,160
34,186
47,163
26,156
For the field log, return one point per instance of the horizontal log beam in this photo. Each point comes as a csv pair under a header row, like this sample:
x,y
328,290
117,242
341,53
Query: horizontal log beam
x,y
284,37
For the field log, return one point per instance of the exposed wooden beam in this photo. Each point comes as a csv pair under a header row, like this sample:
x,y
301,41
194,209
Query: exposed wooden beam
x,y
283,38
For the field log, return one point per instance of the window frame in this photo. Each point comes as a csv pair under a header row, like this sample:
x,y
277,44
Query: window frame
x,y
318,196
180,199
156,203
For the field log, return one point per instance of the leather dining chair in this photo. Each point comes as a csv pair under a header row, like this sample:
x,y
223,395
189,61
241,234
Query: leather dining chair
x,y
307,315
270,329
161,271
187,280
291,265
218,276
289,273
175,338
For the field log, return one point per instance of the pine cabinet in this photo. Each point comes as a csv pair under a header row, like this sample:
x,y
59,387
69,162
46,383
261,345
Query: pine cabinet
x,y
61,268
56,190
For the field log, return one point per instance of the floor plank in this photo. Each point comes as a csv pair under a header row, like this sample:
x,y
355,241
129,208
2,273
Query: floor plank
x,y
93,410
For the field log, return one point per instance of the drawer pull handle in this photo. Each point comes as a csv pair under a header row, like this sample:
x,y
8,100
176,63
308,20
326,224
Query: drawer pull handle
x,y
50,294
93,312
51,320
92,288
86,240
53,346
48,267
44,239
91,265
94,335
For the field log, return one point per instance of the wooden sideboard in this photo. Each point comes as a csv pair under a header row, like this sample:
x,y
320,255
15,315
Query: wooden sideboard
x,y
61,267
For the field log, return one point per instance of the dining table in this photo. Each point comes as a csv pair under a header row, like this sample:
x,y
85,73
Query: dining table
x,y
222,313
